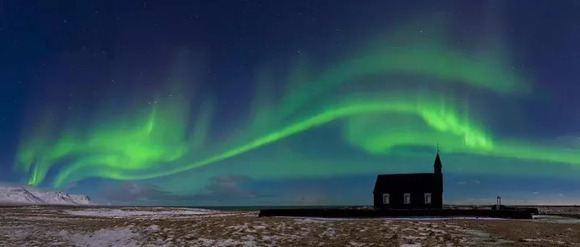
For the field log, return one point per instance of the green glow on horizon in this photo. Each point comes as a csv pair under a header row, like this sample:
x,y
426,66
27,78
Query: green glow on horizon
x,y
443,121
171,135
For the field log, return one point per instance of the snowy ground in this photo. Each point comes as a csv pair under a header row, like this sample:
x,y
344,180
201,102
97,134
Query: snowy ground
x,y
59,226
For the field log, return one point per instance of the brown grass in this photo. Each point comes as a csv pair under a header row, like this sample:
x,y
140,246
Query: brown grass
x,y
40,227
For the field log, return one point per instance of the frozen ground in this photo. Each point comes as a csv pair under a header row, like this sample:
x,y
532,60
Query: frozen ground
x,y
58,226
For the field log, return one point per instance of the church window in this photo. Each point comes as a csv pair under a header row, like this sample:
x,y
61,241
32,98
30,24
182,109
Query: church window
x,y
427,198
386,198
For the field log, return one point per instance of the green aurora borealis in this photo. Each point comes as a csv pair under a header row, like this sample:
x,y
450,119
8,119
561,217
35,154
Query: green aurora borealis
x,y
408,91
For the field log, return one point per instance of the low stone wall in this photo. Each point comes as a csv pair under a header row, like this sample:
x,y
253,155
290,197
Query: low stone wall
x,y
373,213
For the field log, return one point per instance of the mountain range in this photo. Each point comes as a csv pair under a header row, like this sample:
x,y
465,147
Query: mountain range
x,y
30,195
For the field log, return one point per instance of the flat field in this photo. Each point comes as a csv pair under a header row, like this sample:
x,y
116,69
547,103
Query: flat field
x,y
93,226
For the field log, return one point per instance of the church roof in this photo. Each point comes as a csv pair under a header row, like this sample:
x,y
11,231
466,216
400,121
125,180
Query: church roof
x,y
407,182
413,182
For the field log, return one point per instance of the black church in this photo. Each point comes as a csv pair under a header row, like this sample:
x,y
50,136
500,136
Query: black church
x,y
404,191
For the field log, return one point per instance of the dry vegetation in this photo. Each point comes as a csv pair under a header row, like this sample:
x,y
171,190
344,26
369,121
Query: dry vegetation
x,y
181,227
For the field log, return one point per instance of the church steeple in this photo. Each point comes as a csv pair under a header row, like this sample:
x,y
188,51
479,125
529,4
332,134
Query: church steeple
x,y
437,164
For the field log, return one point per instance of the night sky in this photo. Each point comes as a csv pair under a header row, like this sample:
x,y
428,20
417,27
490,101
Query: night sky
x,y
290,102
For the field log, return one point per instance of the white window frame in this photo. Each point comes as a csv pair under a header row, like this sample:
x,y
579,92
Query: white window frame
x,y
405,197
386,199
428,196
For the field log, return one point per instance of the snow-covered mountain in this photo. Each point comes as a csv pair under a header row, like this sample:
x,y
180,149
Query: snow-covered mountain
x,y
29,195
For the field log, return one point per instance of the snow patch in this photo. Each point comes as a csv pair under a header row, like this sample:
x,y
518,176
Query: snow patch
x,y
329,232
542,240
121,236
153,228
247,241
556,219
355,244
123,213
